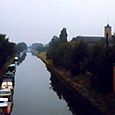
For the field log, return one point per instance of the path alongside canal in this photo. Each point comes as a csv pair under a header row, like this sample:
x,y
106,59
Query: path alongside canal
x,y
95,99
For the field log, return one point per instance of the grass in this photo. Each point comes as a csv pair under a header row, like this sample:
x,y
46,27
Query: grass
x,y
82,84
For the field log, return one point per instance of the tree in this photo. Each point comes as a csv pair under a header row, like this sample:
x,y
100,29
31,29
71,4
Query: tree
x,y
53,44
57,51
78,53
63,35
21,46
7,49
100,64
37,46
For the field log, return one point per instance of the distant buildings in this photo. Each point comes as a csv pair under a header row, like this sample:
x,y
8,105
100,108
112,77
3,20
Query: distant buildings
x,y
93,39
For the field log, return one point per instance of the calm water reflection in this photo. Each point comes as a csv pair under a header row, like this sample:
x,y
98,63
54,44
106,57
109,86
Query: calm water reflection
x,y
77,104
38,92
32,95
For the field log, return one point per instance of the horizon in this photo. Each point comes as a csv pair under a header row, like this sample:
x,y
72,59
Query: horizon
x,y
39,20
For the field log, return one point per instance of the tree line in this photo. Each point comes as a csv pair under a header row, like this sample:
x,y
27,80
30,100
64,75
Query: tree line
x,y
79,57
7,49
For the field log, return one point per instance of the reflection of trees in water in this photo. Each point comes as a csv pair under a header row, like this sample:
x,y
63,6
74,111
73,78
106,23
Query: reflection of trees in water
x,y
22,57
76,103
34,52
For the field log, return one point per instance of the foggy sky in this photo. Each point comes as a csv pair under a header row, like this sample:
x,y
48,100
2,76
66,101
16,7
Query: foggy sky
x,y
39,20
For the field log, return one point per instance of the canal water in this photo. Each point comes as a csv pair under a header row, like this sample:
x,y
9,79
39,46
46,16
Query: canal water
x,y
33,94
38,92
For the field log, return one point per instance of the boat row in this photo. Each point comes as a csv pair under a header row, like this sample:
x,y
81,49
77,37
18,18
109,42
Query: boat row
x,y
7,89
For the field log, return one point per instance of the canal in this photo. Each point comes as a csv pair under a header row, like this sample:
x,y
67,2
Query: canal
x,y
38,92
33,94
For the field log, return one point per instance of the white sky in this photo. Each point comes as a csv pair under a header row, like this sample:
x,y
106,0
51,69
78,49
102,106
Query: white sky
x,y
38,20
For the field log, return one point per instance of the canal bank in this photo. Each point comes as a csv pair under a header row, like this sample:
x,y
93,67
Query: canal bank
x,y
75,101
5,67
64,76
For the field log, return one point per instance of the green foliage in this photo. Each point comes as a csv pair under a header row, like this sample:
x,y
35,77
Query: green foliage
x,y
21,46
38,47
100,65
7,49
63,35
2,37
57,51
57,47
66,54
78,54
52,47
78,57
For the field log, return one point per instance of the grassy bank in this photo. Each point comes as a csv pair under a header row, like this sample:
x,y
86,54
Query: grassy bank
x,y
80,84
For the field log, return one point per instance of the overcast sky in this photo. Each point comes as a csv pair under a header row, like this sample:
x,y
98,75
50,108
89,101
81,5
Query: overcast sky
x,y
38,20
